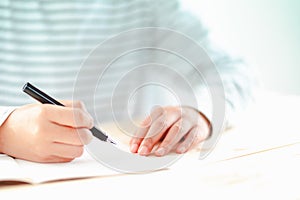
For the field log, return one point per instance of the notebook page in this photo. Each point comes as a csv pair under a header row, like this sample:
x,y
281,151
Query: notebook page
x,y
9,170
82,167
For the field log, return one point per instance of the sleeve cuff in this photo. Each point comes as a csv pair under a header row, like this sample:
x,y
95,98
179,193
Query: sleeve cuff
x,y
5,111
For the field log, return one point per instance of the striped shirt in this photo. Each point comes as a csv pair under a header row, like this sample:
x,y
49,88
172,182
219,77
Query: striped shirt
x,y
46,42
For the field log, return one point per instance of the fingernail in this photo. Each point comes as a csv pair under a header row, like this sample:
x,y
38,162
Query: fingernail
x,y
181,150
161,151
143,150
134,148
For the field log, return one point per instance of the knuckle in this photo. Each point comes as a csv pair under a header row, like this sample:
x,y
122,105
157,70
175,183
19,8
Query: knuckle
x,y
41,111
146,122
38,132
174,110
185,113
157,111
164,113
83,117
148,142
176,128
177,110
79,104
80,115
160,123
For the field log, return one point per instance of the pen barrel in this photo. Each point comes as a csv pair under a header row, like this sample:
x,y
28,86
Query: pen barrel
x,y
99,134
44,98
39,95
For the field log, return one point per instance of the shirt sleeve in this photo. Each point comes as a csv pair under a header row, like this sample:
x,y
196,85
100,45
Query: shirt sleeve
x,y
5,111
238,79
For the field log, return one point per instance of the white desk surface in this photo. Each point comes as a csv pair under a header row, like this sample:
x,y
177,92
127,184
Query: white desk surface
x,y
260,159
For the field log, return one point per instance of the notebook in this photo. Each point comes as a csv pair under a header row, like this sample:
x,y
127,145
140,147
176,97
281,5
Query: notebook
x,y
17,170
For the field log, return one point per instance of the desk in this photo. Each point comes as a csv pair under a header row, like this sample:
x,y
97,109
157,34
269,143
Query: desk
x,y
260,159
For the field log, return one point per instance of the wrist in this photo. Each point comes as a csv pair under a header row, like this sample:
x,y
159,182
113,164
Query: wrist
x,y
205,119
5,112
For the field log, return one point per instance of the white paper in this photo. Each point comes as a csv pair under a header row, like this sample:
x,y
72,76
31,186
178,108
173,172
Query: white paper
x,y
32,172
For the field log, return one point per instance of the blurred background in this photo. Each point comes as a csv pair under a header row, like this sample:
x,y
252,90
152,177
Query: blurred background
x,y
266,34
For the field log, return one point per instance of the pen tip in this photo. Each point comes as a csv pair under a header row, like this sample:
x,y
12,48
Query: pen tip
x,y
111,141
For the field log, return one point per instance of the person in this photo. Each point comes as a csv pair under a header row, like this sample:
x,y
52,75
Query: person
x,y
45,42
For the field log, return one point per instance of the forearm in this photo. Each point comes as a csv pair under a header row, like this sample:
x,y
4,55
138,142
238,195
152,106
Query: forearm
x,y
236,79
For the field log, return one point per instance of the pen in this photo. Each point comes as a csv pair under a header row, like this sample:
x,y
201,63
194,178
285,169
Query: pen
x,y
46,99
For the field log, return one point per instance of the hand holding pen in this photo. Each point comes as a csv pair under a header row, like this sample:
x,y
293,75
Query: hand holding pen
x,y
46,99
46,133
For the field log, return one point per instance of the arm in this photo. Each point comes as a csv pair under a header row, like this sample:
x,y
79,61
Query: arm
x,y
179,131
237,77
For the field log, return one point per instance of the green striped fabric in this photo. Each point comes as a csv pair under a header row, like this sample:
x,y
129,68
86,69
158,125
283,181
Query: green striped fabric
x,y
45,42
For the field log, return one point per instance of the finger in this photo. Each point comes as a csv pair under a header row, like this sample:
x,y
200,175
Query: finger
x,y
66,151
192,138
174,135
73,117
139,135
142,131
157,131
69,135
85,135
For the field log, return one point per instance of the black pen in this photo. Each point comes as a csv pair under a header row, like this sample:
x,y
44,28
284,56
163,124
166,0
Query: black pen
x,y
46,99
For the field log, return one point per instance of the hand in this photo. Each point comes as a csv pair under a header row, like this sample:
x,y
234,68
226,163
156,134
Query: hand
x,y
46,133
170,128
